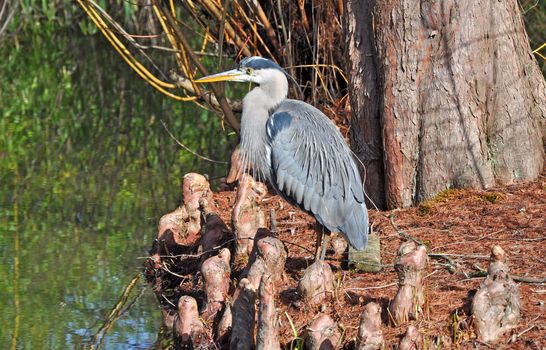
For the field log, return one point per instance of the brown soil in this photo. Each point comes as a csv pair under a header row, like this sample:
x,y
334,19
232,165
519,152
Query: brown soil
x,y
466,223
462,223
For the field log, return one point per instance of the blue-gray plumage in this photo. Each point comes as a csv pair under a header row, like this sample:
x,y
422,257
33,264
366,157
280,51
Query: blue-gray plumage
x,y
299,151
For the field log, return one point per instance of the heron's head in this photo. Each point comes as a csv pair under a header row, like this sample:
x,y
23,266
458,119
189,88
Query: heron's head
x,y
252,69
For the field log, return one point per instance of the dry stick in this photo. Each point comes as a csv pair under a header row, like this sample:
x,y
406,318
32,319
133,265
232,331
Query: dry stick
x,y
402,234
214,11
252,24
470,241
298,245
265,21
221,30
230,118
273,219
373,287
115,313
515,337
481,273
9,17
187,148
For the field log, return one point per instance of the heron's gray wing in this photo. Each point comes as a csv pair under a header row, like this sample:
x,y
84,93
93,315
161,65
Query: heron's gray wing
x,y
312,167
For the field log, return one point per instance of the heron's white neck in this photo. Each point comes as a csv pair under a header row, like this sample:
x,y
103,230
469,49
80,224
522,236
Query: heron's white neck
x,y
257,105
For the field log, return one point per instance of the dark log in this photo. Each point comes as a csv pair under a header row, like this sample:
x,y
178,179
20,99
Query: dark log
x,y
214,231
243,317
410,266
370,334
496,306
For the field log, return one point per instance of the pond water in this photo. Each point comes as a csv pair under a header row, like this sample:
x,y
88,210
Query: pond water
x,y
70,274
86,171
65,281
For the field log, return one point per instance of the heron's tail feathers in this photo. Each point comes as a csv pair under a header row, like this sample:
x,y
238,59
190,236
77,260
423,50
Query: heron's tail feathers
x,y
355,228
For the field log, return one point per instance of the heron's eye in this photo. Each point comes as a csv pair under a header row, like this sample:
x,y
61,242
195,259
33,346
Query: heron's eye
x,y
249,71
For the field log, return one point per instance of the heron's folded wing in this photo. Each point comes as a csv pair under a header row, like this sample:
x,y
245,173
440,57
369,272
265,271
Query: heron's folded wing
x,y
312,167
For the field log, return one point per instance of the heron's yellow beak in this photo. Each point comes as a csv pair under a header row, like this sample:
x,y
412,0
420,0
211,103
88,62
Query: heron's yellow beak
x,y
230,75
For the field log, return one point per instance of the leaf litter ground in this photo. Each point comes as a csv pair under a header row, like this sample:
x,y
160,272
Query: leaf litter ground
x,y
459,227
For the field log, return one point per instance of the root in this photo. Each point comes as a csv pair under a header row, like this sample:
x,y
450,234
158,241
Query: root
x,y
496,307
172,232
247,216
322,334
267,336
243,313
215,271
411,340
410,266
223,329
188,329
268,256
195,187
370,335
235,168
317,283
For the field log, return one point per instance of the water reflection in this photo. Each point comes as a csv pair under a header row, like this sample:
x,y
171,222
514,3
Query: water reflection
x,y
84,178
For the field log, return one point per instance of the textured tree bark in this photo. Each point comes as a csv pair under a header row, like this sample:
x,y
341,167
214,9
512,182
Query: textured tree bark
x,y
365,135
461,100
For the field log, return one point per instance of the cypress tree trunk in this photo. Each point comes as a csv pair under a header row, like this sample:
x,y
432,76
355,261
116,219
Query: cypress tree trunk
x,y
450,90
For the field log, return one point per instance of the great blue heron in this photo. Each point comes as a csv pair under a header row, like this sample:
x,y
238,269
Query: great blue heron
x,y
299,151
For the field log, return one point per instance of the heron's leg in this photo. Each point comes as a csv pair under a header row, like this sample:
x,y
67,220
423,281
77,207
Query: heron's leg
x,y
325,237
318,244
322,241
